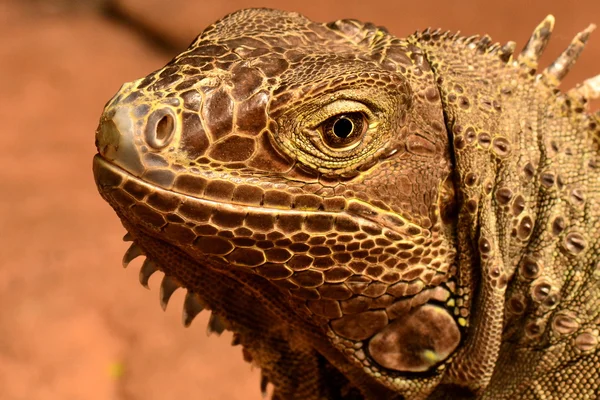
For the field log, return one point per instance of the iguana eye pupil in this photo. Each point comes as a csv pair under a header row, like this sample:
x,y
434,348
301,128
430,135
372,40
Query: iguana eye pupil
x,y
343,127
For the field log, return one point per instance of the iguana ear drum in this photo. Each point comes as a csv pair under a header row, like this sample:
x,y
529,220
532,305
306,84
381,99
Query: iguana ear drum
x,y
417,341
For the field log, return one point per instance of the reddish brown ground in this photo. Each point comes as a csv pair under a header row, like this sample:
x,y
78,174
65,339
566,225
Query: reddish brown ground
x,y
74,325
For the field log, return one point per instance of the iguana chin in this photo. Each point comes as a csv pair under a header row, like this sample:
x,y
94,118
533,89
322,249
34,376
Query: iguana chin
x,y
372,217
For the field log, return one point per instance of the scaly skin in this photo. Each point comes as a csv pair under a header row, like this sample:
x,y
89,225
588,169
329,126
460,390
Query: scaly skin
x,y
372,217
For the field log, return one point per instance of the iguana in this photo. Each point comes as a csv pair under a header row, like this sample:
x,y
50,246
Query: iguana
x,y
373,217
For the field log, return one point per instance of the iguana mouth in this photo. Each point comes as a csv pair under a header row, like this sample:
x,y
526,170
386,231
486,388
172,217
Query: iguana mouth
x,y
203,226
367,215
125,192
288,257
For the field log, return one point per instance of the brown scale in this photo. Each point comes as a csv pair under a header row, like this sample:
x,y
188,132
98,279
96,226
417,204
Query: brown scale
x,y
372,216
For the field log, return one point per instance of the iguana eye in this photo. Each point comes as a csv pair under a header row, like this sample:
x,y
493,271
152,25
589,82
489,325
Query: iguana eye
x,y
344,129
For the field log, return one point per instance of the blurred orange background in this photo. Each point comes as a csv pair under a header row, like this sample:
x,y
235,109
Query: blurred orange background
x,y
74,324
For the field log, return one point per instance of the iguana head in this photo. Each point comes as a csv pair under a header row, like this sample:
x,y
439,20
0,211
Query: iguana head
x,y
305,168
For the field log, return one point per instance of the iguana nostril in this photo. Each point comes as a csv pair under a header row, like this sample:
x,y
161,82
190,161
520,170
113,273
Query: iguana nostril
x,y
160,128
164,128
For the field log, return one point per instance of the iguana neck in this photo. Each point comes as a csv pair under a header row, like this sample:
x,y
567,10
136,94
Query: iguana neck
x,y
526,171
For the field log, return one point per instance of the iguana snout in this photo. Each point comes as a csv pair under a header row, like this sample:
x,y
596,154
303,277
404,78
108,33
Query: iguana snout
x,y
131,129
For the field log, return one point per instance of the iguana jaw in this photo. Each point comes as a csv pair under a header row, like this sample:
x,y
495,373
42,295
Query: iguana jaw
x,y
199,220
136,202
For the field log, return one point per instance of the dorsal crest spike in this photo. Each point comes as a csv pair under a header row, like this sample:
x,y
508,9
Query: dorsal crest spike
x,y
453,36
556,71
493,49
484,43
446,35
507,50
471,39
536,44
588,90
